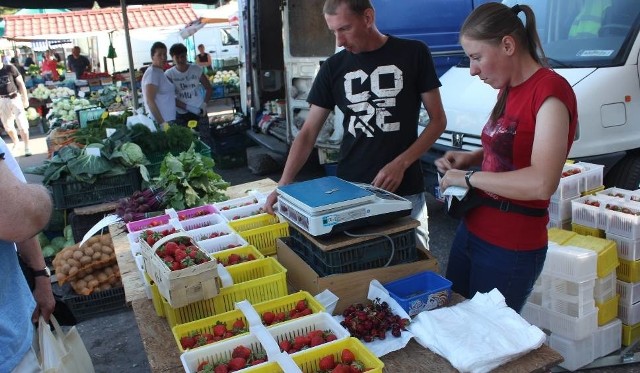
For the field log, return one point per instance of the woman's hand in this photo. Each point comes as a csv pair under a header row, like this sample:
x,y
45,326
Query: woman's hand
x,y
452,160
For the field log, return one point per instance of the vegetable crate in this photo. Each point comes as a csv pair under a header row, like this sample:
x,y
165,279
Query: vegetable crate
x,y
261,231
309,360
184,286
85,307
80,224
229,144
70,194
256,281
374,253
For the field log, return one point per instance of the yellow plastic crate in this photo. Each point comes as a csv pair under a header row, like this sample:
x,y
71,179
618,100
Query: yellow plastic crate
x,y
628,270
630,333
606,250
608,310
287,303
242,251
256,281
308,360
206,325
560,236
156,298
587,231
593,191
261,231
191,312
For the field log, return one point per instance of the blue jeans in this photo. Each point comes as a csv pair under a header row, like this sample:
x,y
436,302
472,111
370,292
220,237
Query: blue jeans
x,y
478,266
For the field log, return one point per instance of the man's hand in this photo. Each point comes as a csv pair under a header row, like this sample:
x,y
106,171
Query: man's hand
x,y
203,109
270,202
45,302
389,177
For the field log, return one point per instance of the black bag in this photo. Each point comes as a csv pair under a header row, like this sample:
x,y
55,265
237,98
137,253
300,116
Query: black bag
x,y
458,208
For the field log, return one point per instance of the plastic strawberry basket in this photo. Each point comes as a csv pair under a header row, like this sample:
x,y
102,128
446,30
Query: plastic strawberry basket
x,y
205,325
422,291
373,253
195,212
309,360
210,231
287,303
70,194
223,256
243,212
229,241
236,202
202,221
302,326
222,351
140,225
261,231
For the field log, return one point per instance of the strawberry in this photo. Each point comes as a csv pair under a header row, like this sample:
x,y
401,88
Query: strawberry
x,y
330,337
170,248
251,257
187,342
237,363
242,352
176,266
221,368
280,316
347,356
357,367
234,259
301,305
219,329
238,324
327,363
341,368
316,340
202,365
268,317
285,345
228,334
258,361
301,341
150,240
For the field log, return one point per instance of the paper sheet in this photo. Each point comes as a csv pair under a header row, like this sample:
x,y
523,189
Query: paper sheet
x,y
452,191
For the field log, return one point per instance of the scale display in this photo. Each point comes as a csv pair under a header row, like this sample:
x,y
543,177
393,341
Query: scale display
x,y
329,204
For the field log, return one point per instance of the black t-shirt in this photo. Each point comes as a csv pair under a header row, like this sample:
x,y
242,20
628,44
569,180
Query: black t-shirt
x,y
8,75
78,65
379,94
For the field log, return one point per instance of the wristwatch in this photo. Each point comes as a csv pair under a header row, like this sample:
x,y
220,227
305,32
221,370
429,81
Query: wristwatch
x,y
43,272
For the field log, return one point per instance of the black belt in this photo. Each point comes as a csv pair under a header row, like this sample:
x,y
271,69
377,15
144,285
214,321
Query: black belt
x,y
10,95
507,206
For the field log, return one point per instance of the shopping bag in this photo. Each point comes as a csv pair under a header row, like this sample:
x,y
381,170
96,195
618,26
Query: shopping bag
x,y
139,117
62,353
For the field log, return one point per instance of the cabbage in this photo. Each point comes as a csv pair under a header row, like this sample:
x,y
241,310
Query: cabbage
x,y
130,155
43,239
68,232
58,242
48,251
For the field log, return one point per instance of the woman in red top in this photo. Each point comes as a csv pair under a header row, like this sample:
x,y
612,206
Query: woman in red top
x,y
50,67
524,146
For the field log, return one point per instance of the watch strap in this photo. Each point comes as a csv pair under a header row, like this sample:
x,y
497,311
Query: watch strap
x,y
43,272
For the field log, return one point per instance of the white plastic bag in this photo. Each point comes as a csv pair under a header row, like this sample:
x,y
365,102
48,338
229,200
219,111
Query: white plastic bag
x,y
60,353
139,117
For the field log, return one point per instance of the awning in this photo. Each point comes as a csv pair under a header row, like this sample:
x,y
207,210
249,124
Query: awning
x,y
85,23
43,45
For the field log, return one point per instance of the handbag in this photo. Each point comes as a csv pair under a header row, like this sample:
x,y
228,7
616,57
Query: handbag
x,y
457,208
62,353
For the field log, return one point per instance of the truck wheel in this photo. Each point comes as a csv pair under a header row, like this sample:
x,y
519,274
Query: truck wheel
x,y
625,174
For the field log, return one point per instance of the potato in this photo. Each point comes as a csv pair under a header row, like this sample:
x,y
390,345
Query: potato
x,y
77,255
108,271
102,277
65,268
89,277
96,246
88,251
96,256
93,284
73,271
107,249
66,254
81,284
105,257
93,240
106,240
85,260
74,263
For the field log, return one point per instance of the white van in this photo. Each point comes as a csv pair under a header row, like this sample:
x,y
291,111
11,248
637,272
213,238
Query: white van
x,y
595,45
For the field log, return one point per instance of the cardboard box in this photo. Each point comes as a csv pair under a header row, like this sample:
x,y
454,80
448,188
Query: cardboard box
x,y
349,287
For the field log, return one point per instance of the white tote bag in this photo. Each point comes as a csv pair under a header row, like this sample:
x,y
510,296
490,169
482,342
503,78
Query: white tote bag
x,y
62,353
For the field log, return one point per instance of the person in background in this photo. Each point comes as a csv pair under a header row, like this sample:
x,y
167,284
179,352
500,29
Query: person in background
x,y
78,63
157,90
14,61
379,82
49,68
13,102
29,61
525,143
188,80
26,209
203,59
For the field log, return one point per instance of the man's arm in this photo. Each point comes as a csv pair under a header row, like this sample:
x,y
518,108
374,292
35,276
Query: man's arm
x,y
23,91
300,149
31,254
25,207
390,176
208,90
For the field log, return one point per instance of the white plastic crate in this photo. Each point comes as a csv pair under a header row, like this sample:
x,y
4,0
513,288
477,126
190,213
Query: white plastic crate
x,y
560,224
222,350
605,288
205,233
629,314
625,224
301,327
570,263
576,353
629,292
570,307
592,176
202,221
560,209
535,297
535,315
615,193
584,212
213,245
607,338
569,186
628,248
561,288
133,238
573,327
240,202
243,211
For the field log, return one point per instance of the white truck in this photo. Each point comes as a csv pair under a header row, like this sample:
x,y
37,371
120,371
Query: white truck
x,y
595,45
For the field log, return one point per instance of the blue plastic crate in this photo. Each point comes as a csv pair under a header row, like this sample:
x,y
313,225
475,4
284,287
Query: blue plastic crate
x,y
422,291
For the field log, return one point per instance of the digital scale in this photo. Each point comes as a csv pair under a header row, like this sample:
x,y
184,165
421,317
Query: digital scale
x,y
329,204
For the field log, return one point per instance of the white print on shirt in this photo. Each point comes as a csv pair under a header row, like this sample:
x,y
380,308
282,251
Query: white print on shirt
x,y
366,108
186,86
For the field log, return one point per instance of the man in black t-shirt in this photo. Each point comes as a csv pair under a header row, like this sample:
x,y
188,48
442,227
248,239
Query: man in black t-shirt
x,y
379,82
13,102
78,63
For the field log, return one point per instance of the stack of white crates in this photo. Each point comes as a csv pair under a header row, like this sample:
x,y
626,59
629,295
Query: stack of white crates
x,y
577,179
564,303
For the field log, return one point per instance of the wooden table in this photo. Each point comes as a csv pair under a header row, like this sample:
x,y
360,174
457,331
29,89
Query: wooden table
x,y
163,354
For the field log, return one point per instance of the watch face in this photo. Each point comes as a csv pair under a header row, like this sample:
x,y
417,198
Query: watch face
x,y
47,271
